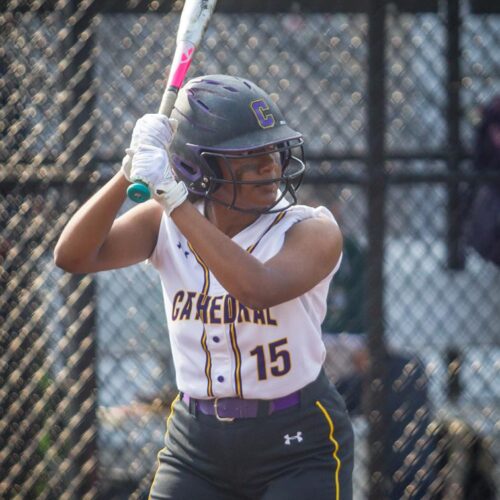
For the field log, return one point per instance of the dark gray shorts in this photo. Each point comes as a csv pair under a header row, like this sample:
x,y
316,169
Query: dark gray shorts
x,y
305,452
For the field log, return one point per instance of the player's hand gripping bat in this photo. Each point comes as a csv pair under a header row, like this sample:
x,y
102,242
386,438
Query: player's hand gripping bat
x,y
194,20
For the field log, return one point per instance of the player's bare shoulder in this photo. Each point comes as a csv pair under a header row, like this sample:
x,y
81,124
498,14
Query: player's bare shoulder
x,y
316,232
312,220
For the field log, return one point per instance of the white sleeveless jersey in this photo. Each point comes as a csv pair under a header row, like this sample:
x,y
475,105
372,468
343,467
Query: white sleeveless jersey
x,y
220,347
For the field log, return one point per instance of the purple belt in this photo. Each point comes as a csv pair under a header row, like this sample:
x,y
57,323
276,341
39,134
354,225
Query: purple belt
x,y
227,409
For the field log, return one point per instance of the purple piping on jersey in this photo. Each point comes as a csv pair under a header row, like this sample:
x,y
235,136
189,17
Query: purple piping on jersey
x,y
208,362
277,219
237,356
203,340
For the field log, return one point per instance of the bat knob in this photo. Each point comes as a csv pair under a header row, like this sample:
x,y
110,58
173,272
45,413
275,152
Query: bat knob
x,y
138,192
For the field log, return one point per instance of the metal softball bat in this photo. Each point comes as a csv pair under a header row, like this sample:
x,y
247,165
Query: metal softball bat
x,y
193,23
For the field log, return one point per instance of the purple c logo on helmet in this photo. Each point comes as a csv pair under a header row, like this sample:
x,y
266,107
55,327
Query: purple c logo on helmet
x,y
260,109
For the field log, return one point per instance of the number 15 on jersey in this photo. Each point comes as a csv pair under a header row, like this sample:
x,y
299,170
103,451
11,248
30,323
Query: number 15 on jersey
x,y
273,357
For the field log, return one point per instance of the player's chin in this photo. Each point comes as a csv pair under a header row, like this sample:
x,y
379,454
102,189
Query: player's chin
x,y
266,195
257,198
267,190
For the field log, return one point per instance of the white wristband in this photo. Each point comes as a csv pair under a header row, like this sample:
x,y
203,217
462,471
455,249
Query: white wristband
x,y
127,164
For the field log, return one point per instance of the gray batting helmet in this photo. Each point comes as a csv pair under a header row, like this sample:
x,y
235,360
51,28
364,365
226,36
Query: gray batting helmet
x,y
221,117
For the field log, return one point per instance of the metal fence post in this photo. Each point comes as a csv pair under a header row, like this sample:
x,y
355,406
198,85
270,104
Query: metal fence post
x,y
80,323
454,215
376,191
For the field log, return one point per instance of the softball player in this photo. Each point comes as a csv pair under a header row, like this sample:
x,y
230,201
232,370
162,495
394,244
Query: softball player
x,y
245,273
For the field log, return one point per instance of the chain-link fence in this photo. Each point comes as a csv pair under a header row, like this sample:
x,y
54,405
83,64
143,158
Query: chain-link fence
x,y
388,96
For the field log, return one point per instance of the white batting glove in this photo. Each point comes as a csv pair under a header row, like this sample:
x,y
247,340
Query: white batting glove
x,y
151,130
150,164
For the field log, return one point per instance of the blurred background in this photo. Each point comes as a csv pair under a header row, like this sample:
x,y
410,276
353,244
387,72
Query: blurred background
x,y
397,103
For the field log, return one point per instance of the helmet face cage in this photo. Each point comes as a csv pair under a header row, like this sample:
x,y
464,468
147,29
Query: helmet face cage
x,y
222,118
207,178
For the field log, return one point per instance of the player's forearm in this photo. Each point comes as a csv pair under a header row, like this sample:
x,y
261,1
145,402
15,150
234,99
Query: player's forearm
x,y
87,230
239,272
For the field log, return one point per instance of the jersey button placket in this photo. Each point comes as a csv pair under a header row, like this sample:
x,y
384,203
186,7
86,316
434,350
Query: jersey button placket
x,y
220,357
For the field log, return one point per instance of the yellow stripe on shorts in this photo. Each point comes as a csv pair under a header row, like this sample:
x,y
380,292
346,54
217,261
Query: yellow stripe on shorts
x,y
335,443
166,432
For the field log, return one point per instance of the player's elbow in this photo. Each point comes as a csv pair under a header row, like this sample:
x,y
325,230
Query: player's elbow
x,y
255,302
66,261
257,294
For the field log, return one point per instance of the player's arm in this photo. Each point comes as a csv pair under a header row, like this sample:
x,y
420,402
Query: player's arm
x,y
95,240
310,252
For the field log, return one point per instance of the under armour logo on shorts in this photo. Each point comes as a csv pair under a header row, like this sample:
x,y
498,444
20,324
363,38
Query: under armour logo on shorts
x,y
298,437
